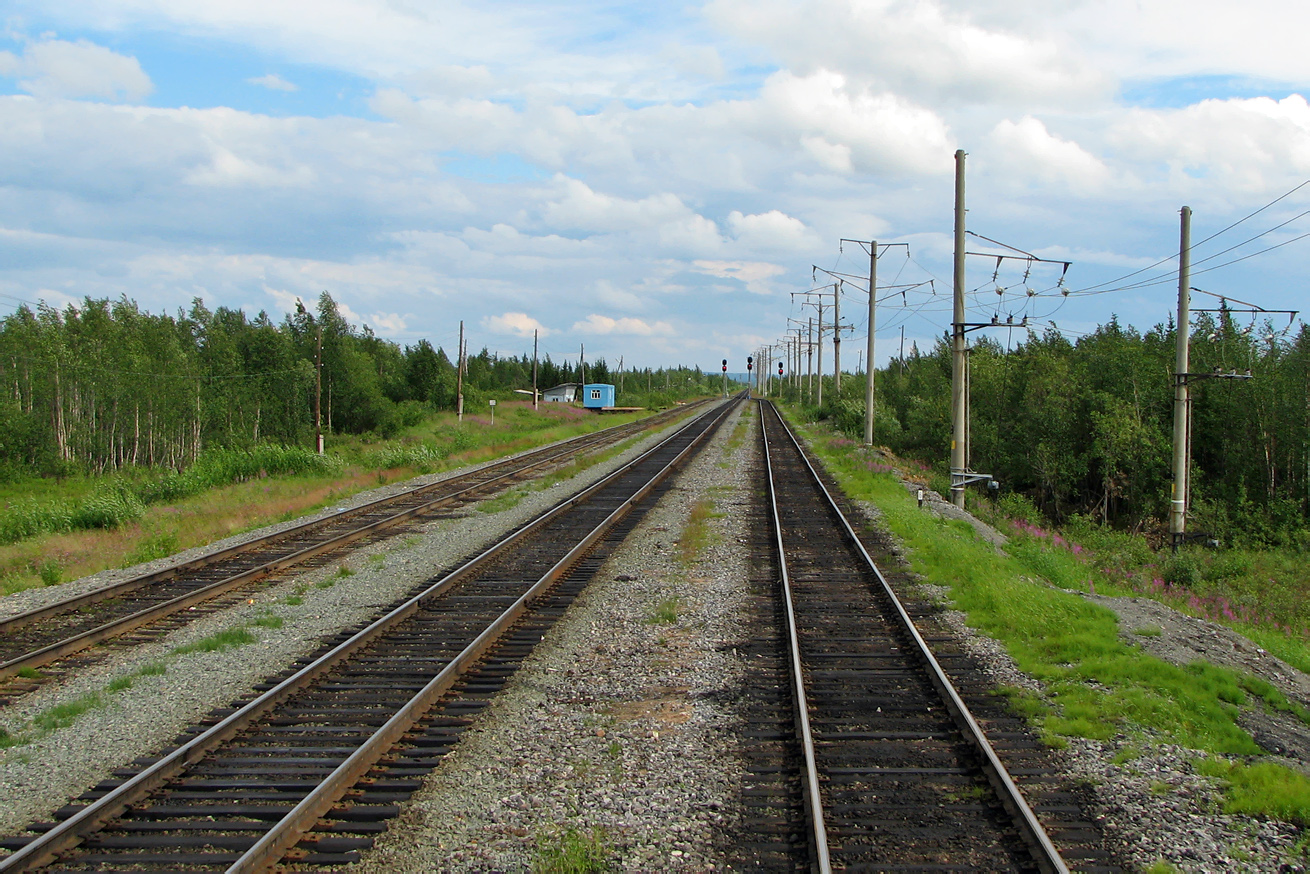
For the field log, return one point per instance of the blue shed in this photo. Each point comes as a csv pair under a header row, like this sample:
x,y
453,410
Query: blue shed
x,y
597,395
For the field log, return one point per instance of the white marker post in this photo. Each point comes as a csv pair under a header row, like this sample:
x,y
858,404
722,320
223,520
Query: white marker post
x,y
493,412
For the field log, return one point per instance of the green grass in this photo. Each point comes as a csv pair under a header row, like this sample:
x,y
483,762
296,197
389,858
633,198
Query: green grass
x,y
156,546
666,612
293,600
572,852
1262,789
267,620
506,500
696,533
57,529
65,714
1098,686
223,640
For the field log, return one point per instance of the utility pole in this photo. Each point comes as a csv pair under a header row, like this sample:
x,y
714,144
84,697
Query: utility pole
x,y
1182,400
836,340
534,368
620,374
868,384
582,365
819,402
958,412
809,362
459,376
318,393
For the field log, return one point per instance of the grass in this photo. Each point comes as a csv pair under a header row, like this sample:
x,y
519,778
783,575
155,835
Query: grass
x,y
1262,789
227,639
176,519
65,714
1097,685
696,533
666,612
572,851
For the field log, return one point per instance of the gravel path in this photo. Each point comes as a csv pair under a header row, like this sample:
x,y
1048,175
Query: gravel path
x,y
120,724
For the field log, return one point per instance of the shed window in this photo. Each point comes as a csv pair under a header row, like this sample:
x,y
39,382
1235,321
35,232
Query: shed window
x,y
595,394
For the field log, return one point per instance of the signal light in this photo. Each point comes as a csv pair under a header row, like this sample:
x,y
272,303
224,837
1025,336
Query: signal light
x,y
780,368
750,362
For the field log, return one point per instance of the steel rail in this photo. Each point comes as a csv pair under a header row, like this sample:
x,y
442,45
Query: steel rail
x,y
68,834
810,776
124,624
288,831
1046,856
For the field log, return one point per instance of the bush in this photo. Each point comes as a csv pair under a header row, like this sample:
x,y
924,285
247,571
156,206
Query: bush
x,y
221,467
1020,508
419,456
1182,569
108,509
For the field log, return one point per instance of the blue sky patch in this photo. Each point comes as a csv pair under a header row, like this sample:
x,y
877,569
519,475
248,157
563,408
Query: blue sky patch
x,y
1176,93
503,167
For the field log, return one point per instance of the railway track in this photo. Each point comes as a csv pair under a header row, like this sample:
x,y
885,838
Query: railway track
x,y
43,636
874,761
307,771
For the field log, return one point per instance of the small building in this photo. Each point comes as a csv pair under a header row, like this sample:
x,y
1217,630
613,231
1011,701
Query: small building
x,y
565,393
597,395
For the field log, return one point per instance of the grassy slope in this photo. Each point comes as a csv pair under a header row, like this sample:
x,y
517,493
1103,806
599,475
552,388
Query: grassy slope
x,y
1098,686
438,443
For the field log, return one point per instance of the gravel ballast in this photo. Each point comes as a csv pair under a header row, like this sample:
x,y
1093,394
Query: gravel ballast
x,y
620,730
38,777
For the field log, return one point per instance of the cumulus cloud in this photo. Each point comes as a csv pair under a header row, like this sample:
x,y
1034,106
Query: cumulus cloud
x,y
1027,149
1255,144
516,324
599,324
771,230
921,49
847,128
57,68
664,217
389,323
755,275
274,82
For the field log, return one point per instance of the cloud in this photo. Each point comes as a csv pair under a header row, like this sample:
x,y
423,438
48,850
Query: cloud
x,y
847,128
1027,149
771,230
517,324
1256,145
598,324
56,68
924,51
754,274
389,323
274,82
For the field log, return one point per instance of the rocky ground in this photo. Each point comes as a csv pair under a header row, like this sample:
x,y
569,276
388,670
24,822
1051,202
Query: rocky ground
x,y
617,738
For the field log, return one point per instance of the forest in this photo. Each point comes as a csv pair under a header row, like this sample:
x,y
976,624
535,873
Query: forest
x,y
1085,426
104,386
1078,426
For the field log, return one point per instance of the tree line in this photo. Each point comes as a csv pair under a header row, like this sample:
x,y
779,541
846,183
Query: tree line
x,y
1085,426
105,386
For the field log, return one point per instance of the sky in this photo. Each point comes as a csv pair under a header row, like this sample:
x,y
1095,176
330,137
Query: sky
x,y
660,183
